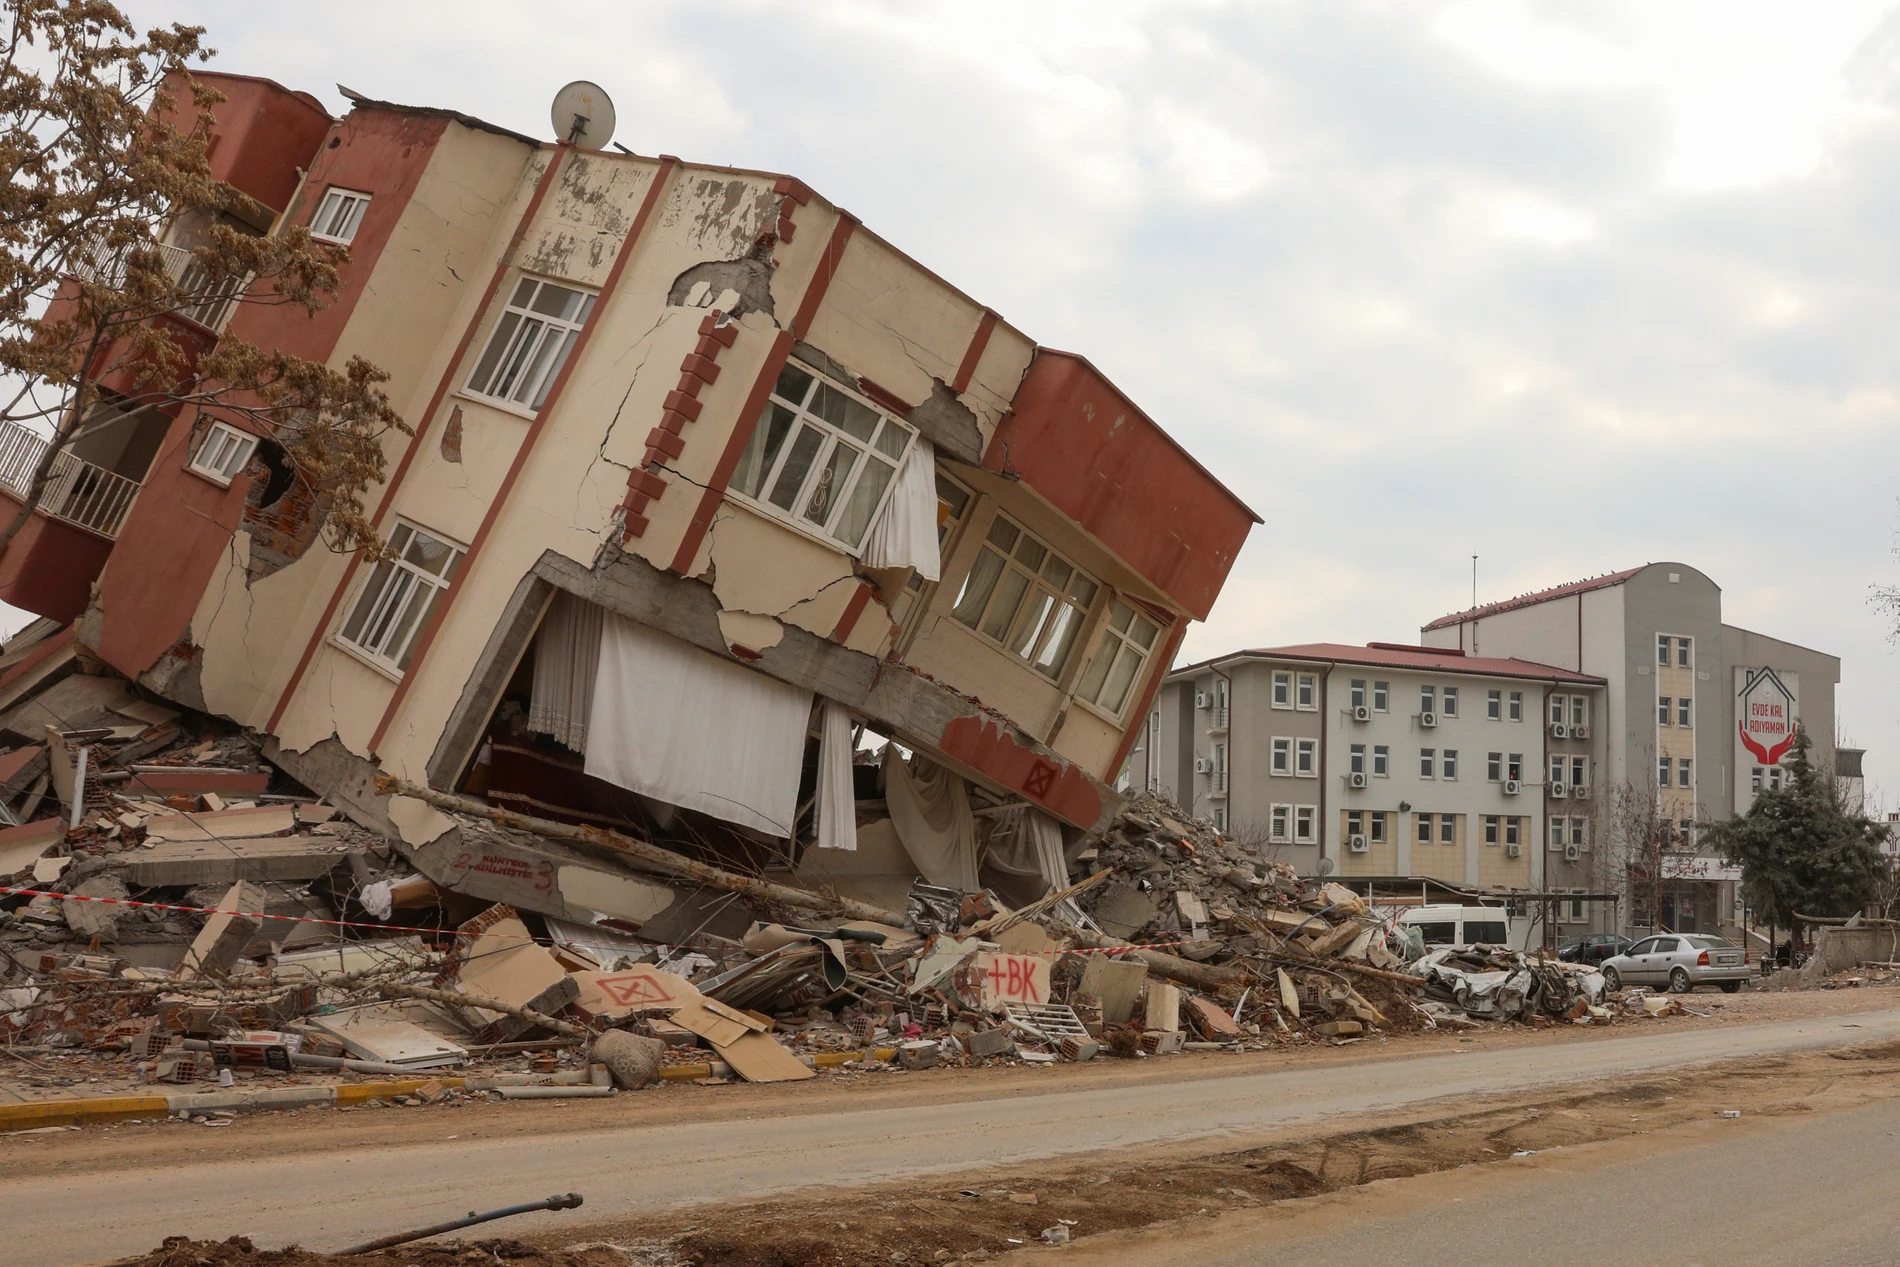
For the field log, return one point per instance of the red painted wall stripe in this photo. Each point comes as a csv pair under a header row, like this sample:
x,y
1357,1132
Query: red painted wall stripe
x,y
973,355
1139,717
449,373
852,611
715,493
709,501
426,637
827,269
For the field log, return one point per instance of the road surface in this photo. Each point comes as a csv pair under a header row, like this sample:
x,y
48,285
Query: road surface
x,y
1816,1190
326,1200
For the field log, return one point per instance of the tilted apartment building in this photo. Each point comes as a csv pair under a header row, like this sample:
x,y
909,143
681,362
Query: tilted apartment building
x,y
1698,715
1386,764
705,476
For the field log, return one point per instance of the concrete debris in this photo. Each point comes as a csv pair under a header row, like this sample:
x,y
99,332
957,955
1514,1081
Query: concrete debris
x,y
195,908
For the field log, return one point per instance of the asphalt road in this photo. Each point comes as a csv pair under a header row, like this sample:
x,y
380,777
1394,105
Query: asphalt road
x,y
325,1201
1816,1190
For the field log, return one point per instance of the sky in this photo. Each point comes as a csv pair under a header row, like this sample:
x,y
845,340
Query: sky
x,y
1570,287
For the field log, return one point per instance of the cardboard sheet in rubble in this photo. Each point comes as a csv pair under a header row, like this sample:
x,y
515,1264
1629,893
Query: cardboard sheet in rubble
x,y
614,996
742,1041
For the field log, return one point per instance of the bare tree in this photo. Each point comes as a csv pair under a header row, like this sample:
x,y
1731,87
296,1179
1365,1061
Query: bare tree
x,y
1634,838
100,172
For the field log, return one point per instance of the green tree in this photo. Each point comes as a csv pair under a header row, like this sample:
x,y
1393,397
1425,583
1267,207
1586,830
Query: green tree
x,y
1800,849
100,175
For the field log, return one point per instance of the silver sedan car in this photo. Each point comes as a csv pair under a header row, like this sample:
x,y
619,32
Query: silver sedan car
x,y
1680,961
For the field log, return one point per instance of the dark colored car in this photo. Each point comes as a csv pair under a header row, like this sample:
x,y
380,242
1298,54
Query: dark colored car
x,y
1593,949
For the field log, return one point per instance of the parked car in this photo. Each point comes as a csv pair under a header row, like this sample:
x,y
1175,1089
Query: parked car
x,y
1681,961
1594,948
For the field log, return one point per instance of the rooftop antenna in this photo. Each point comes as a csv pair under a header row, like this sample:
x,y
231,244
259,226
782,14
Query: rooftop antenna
x,y
1474,582
583,115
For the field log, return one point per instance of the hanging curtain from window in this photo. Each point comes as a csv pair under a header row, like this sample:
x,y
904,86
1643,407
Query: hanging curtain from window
x,y
930,807
683,726
905,535
566,657
1027,842
837,797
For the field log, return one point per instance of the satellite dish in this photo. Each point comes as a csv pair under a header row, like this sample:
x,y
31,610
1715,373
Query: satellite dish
x,y
1327,866
583,115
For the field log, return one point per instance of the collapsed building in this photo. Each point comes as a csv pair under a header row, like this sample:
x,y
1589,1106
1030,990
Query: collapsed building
x,y
707,483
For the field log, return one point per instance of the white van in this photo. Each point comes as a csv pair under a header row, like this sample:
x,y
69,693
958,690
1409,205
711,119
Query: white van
x,y
1447,925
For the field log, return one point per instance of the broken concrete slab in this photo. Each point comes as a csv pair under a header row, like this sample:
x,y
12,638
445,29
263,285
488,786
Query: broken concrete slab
x,y
187,862
1117,983
226,934
100,916
21,846
1124,910
224,824
162,781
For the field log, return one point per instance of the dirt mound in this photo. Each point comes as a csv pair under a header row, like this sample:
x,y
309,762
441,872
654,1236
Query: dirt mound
x,y
179,1251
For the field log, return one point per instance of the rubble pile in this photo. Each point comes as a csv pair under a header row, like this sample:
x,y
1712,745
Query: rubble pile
x,y
180,906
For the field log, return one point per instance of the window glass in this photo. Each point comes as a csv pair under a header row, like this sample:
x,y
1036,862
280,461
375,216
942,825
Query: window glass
x,y
1662,648
399,596
1282,690
1514,766
1380,757
1447,829
1438,934
1510,831
1357,758
1427,699
1494,766
1682,711
1381,692
1642,947
1424,829
222,453
1303,823
1448,764
1304,755
1377,834
1282,755
1358,692
1667,946
1486,932
1494,705
1662,710
1682,652
1451,701
1427,761
530,343
1490,829
1517,706
339,215
1579,710
1011,597
1662,771
1308,696
1682,773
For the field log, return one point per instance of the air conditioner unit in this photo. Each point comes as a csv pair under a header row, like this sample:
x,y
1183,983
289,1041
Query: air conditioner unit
x,y
1357,844
1558,791
1512,787
1356,779
1361,713
1513,851
1200,699
1580,790
1559,731
1573,853
1579,732
1202,765
1428,719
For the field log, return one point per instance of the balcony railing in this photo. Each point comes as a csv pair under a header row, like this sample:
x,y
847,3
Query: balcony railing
x,y
1217,719
213,301
76,491
1217,783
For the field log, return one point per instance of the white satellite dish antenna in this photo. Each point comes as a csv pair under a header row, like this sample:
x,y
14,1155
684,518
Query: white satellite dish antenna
x,y
583,115
1327,866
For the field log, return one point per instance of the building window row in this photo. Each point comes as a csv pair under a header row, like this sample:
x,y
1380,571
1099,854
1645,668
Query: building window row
x,y
1683,772
1499,766
1680,713
1294,757
1445,760
1569,710
1573,770
1446,827
1296,690
1503,829
1683,648
1293,824
1370,824
1768,778
1504,706
1569,829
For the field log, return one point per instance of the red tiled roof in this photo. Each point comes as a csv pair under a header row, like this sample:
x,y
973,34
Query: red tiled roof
x,y
1531,600
1393,656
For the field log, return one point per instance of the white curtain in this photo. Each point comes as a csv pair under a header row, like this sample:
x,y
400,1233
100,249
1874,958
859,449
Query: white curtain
x,y
566,656
1027,842
930,807
837,797
683,726
905,535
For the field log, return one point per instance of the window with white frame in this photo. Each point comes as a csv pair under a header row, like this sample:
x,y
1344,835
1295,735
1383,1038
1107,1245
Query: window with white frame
x,y
395,603
1280,824
1356,759
1494,705
530,343
1305,758
1556,767
1683,777
1381,695
1308,695
1576,907
1514,767
1304,817
1381,761
1128,638
1282,762
1220,818
1490,829
1662,648
1448,829
1579,709
1427,699
1663,772
1448,764
1450,695
1377,825
1682,711
1358,692
1558,709
223,453
1662,710
1425,827
1774,778
338,215
1579,771
1355,823
1282,689
1427,762
1511,829
1686,830
1025,596
827,461
1493,766
1755,779
1579,831
1684,658
1517,706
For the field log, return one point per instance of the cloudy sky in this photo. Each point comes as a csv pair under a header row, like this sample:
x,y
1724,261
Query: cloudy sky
x,y
1572,287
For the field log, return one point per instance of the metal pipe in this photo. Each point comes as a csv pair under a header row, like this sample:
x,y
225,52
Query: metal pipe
x,y
568,1202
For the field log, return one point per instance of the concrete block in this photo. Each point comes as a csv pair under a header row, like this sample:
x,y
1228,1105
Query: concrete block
x,y
226,934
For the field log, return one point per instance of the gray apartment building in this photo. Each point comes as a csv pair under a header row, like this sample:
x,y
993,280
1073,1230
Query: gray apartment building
x,y
1697,714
